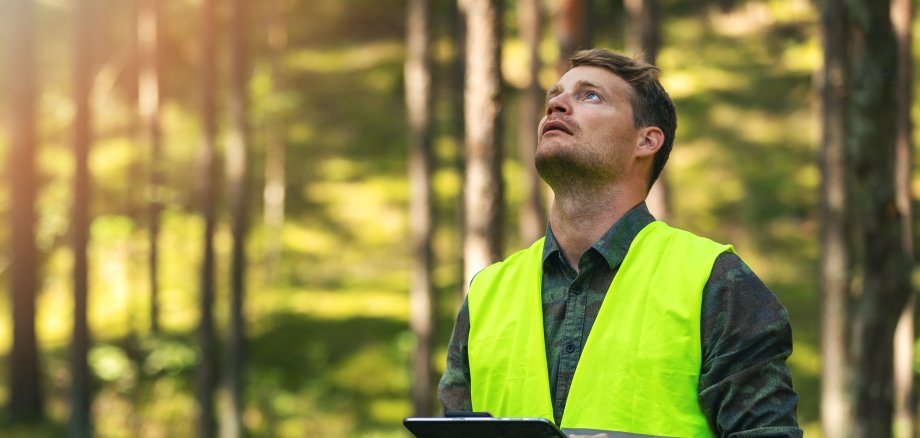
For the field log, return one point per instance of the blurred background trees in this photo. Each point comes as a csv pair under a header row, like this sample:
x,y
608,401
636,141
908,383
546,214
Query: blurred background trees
x,y
309,284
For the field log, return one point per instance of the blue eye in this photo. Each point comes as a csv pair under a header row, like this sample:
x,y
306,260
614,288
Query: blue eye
x,y
592,96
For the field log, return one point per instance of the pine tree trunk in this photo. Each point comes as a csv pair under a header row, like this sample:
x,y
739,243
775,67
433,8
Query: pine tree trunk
x,y
206,376
80,424
237,161
643,39
570,21
276,143
533,212
484,188
871,127
457,21
902,16
418,104
25,396
834,243
148,100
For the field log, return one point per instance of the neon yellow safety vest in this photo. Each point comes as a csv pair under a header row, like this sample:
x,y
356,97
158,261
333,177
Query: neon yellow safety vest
x,y
640,366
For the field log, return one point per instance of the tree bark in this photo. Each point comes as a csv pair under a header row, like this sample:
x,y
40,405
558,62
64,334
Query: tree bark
x,y
834,243
905,402
418,105
237,162
148,101
276,142
533,213
643,40
871,131
80,423
206,376
483,185
25,397
457,22
570,21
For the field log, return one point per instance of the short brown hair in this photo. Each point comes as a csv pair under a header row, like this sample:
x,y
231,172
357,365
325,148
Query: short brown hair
x,y
651,104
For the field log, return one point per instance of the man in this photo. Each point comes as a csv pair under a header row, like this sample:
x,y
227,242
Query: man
x,y
615,322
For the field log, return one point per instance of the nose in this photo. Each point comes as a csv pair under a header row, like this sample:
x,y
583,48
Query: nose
x,y
559,103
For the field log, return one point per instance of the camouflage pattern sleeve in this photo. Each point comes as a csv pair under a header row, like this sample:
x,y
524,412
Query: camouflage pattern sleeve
x,y
454,388
745,386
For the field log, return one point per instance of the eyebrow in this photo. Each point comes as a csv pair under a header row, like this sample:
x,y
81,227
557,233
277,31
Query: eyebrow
x,y
557,89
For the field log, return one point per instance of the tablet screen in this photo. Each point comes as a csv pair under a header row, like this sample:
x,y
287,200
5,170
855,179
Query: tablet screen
x,y
484,427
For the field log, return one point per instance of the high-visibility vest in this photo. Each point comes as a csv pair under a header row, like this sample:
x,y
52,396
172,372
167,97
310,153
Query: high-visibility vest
x,y
640,366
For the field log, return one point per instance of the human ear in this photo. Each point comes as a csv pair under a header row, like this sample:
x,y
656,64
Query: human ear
x,y
651,138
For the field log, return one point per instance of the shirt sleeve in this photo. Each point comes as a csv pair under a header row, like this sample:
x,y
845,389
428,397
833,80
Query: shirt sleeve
x,y
454,388
745,386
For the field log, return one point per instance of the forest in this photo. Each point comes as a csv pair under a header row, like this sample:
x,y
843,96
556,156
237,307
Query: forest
x,y
259,218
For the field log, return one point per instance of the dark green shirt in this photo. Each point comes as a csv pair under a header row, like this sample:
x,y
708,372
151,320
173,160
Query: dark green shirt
x,y
745,387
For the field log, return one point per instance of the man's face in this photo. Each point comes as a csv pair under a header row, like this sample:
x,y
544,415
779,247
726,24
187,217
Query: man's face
x,y
587,130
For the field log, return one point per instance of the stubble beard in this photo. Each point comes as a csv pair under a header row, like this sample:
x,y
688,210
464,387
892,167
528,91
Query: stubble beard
x,y
571,168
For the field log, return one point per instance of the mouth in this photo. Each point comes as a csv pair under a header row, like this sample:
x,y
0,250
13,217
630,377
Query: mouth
x,y
556,126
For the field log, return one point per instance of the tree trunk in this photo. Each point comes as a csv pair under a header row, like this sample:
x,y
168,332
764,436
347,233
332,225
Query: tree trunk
x,y
457,17
570,21
871,127
533,212
483,185
276,143
902,16
80,424
25,397
207,367
418,105
643,40
236,165
834,243
148,101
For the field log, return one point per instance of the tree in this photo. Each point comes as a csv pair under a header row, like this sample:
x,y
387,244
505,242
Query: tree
x,y
902,16
835,262
207,366
885,288
421,208
643,38
80,424
148,101
533,212
237,162
483,185
25,397
570,21
276,141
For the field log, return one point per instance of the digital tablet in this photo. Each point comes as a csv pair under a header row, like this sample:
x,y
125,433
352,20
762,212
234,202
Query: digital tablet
x,y
482,427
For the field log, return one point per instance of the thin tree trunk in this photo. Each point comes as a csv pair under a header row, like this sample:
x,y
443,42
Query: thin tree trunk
x,y
457,17
902,16
570,21
207,367
148,100
25,397
643,39
237,162
834,243
80,424
484,188
418,105
871,126
533,212
276,143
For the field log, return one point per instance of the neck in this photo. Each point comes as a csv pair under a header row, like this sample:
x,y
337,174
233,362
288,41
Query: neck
x,y
579,219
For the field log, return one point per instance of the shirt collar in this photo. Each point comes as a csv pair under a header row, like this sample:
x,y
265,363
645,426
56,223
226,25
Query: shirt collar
x,y
615,242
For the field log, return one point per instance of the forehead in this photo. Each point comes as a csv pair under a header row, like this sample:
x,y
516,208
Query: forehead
x,y
599,76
